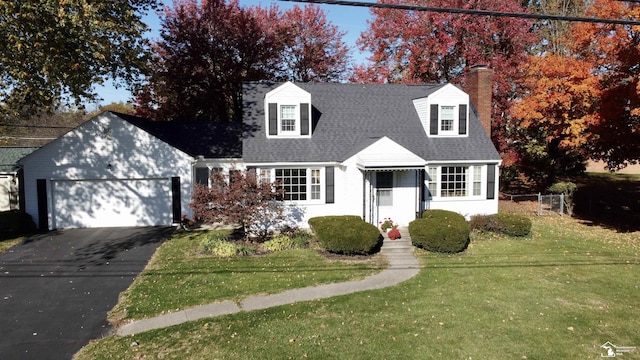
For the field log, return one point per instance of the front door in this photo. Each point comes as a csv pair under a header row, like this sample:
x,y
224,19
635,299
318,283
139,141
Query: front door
x,y
384,195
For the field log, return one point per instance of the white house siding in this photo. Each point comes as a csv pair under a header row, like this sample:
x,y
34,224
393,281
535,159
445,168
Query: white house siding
x,y
347,195
109,155
468,206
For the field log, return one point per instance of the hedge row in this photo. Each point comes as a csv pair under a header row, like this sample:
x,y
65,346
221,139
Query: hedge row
x,y
509,224
347,234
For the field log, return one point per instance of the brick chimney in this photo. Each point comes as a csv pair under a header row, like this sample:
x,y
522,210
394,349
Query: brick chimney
x,y
479,86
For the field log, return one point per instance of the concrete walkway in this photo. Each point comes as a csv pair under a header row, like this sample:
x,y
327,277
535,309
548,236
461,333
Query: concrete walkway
x,y
403,265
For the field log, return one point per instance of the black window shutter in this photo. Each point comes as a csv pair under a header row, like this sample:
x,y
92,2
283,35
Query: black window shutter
x,y
273,119
433,121
329,185
462,119
304,119
491,182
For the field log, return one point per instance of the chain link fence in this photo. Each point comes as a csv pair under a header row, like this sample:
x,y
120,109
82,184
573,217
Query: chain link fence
x,y
533,204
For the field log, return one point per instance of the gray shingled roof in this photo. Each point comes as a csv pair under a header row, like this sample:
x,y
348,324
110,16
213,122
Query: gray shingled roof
x,y
209,139
10,155
349,117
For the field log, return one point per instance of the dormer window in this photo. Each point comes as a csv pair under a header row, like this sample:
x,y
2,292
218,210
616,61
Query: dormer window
x,y
288,119
288,112
445,112
446,118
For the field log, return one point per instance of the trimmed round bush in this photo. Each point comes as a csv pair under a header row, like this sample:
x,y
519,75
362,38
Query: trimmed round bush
x,y
514,225
348,235
440,231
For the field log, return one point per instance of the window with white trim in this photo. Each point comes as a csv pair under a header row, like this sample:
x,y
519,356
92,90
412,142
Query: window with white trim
x,y
477,180
288,118
300,184
315,184
447,118
453,181
432,181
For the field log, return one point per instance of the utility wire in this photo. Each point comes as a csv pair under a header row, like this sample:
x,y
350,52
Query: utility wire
x,y
471,11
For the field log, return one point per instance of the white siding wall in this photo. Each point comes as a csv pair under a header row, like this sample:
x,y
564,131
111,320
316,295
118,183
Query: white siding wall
x,y
347,194
467,208
86,152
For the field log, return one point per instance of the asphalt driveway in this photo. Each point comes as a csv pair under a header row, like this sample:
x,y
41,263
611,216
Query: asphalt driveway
x,y
56,288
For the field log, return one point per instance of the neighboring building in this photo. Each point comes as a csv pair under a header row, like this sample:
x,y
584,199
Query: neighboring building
x,y
10,175
376,151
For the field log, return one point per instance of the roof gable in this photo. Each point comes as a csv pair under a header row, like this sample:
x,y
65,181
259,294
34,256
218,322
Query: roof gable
x,y
387,154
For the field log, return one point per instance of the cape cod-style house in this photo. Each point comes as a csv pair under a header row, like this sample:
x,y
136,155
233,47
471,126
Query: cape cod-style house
x,y
376,151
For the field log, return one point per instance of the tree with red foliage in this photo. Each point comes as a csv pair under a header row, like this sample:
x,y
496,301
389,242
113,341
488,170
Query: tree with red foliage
x,y
209,47
415,46
240,199
315,50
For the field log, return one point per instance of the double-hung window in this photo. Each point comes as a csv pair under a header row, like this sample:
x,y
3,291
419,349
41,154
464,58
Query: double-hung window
x,y
288,118
447,118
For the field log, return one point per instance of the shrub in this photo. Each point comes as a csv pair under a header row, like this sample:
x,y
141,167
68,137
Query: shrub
x,y
509,224
485,223
440,231
15,223
348,235
278,243
514,225
301,239
219,245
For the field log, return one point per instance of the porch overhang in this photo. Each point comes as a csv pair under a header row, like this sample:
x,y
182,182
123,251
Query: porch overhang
x,y
387,155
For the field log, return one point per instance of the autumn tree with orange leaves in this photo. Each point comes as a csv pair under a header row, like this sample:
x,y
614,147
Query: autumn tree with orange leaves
x,y
614,52
552,124
581,104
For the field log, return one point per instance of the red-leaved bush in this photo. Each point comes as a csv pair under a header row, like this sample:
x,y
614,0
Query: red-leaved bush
x,y
240,199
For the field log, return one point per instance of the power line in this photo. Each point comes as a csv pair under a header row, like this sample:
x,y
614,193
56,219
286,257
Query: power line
x,y
472,11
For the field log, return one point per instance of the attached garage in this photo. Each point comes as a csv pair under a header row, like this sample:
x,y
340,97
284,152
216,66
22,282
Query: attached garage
x,y
108,203
121,170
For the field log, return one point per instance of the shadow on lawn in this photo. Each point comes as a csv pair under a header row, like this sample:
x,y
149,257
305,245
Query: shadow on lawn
x,y
609,201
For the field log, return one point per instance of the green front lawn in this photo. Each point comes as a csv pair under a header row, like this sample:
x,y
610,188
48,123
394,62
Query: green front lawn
x,y
557,295
181,276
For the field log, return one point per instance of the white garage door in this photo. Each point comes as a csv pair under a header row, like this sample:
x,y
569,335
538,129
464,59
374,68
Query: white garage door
x,y
111,203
